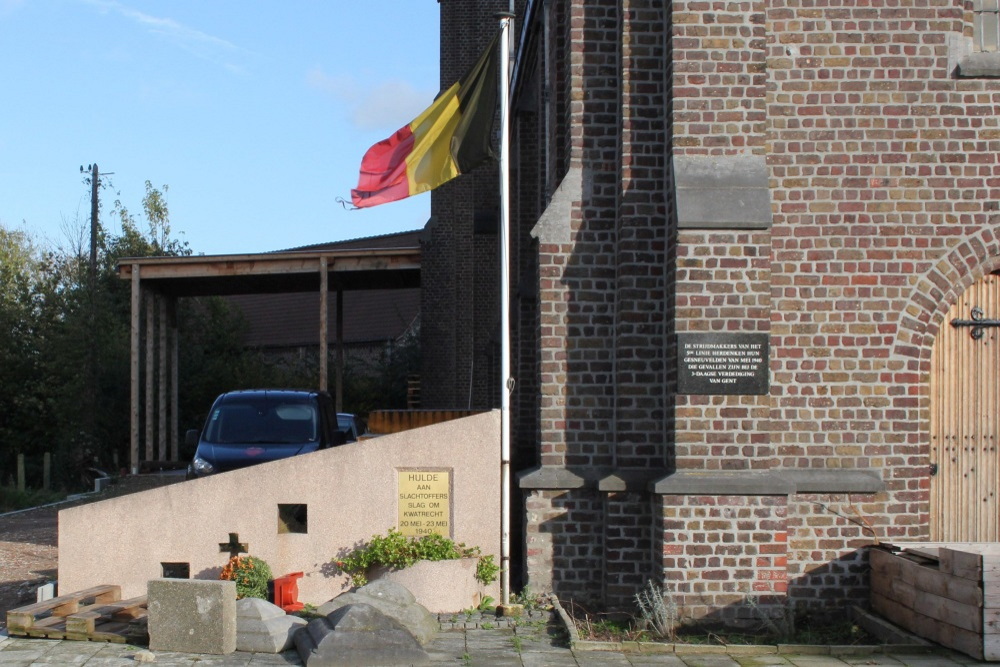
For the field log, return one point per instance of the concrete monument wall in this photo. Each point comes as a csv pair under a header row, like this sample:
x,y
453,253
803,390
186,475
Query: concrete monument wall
x,y
350,493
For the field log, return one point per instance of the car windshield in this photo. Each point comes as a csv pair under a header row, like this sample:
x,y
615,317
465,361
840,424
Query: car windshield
x,y
344,423
263,422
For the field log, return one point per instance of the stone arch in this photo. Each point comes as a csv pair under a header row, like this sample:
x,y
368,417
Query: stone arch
x,y
923,314
935,292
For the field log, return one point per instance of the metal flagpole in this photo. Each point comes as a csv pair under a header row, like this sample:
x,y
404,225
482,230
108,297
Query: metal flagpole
x,y
507,382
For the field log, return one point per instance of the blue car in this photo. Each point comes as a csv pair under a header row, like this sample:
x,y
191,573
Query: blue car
x,y
255,426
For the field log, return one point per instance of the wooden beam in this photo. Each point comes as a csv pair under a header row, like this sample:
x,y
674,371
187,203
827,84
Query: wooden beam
x,y
150,418
161,440
340,349
174,399
278,263
134,371
324,335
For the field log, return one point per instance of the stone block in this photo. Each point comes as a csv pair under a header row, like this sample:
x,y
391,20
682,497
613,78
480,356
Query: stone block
x,y
393,600
358,635
192,616
262,627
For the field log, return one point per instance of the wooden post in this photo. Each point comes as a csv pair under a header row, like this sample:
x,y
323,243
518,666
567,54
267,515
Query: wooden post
x,y
20,472
161,439
150,371
340,349
174,401
47,471
134,371
324,335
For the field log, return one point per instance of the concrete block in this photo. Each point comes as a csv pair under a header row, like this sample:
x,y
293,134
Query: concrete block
x,y
393,600
192,616
361,635
262,627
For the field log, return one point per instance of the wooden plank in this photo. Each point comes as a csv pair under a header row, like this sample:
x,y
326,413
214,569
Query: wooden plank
x,y
86,620
21,619
991,622
991,647
961,563
115,632
922,577
134,336
895,589
961,615
394,421
943,633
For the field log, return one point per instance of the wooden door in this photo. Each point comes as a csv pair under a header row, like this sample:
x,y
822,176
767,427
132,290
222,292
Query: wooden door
x,y
965,407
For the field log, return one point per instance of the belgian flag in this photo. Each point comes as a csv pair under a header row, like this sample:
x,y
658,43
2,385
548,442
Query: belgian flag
x,y
451,137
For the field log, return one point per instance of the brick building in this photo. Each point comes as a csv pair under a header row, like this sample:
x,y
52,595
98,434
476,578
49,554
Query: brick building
x,y
819,176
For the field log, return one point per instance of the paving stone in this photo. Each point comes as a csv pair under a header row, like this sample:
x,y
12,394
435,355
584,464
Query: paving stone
x,y
596,658
711,660
529,659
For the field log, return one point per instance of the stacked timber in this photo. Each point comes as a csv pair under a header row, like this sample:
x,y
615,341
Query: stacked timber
x,y
95,614
383,422
946,592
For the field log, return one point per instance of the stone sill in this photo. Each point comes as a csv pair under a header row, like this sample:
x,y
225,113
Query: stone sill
x,y
979,65
694,482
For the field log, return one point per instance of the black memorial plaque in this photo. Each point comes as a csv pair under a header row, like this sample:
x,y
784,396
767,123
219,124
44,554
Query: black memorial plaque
x,y
722,363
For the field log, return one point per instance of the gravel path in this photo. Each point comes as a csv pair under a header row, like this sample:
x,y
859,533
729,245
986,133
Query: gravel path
x,y
29,556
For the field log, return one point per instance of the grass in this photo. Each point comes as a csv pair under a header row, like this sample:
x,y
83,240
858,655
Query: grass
x,y
11,499
620,627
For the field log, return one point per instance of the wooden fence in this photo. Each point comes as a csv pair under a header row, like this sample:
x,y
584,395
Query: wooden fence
x,y
381,422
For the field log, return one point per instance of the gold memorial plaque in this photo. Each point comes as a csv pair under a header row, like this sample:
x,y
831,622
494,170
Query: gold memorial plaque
x,y
424,502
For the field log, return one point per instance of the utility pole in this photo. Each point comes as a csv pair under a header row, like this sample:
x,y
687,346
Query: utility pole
x,y
93,360
94,182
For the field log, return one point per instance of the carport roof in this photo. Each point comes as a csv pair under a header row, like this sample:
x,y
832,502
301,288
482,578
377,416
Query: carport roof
x,y
276,272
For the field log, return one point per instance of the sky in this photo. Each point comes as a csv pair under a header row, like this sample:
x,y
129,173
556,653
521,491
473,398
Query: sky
x,y
252,116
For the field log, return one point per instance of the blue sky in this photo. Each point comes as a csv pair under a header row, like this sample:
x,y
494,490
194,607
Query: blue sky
x,y
254,114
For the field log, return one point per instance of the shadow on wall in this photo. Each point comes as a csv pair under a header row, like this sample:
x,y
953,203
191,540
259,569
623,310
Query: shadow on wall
x,y
815,603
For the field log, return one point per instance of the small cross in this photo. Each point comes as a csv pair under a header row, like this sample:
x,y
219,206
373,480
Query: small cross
x,y
234,546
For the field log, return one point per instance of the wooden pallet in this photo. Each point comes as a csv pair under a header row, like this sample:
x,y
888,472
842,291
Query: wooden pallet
x,y
95,614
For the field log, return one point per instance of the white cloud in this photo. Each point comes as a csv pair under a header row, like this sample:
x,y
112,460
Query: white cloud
x,y
388,105
200,44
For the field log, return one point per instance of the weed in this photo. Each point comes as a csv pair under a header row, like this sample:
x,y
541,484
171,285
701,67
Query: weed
x,y
516,641
658,611
528,600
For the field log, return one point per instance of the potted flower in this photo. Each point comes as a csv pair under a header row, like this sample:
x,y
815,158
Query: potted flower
x,y
251,575
443,576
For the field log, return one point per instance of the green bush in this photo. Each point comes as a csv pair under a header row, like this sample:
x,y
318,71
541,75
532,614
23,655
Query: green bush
x,y
396,551
251,575
11,499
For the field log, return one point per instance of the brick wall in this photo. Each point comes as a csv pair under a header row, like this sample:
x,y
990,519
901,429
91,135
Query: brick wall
x,y
883,177
459,269
883,162
723,284
724,557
